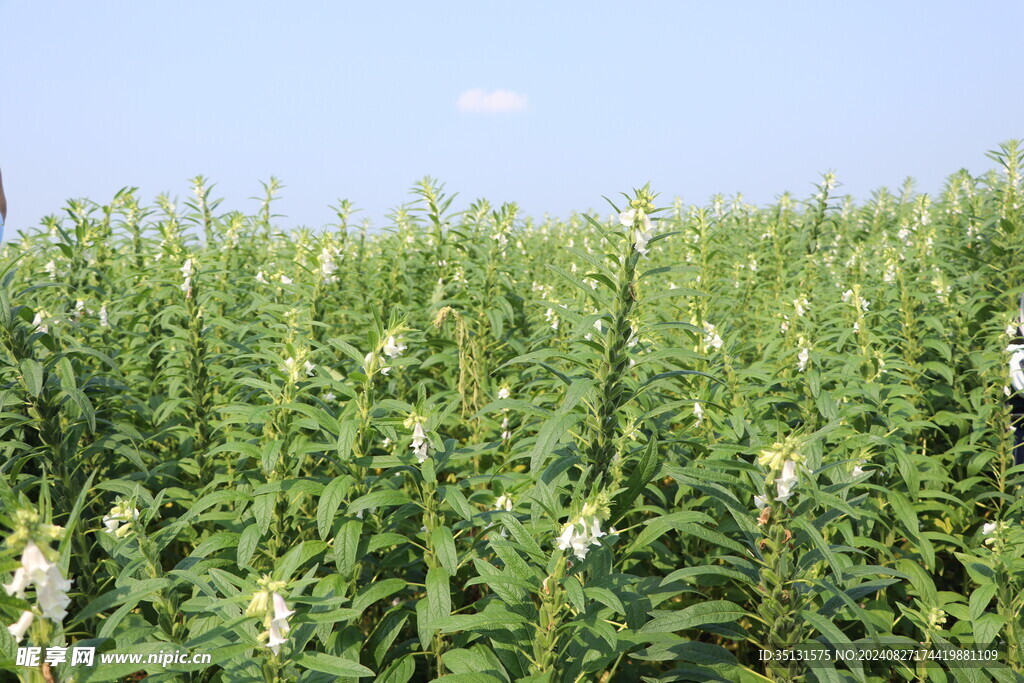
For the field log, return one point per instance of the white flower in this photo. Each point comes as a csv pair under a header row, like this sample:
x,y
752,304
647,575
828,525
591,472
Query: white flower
x,y
698,412
801,305
309,368
641,236
803,357
51,586
552,318
261,278
18,628
760,502
580,534
329,397
712,337
285,280
104,321
503,393
187,271
1011,330
51,268
278,631
52,595
786,481
327,266
846,296
118,522
394,348
1016,352
419,445
503,503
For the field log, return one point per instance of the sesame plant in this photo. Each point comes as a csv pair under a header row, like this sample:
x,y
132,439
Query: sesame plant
x,y
672,443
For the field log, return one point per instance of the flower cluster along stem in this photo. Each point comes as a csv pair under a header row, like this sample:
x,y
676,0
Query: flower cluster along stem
x,y
612,392
781,602
552,609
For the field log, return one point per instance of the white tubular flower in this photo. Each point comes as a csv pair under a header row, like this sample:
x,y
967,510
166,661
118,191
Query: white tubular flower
x,y
641,234
504,392
52,595
786,481
393,348
503,502
40,321
420,446
269,605
1011,330
634,336
285,280
712,337
580,534
261,278
992,531
20,627
51,268
330,397
51,586
327,266
104,321
119,521
34,565
419,442
187,272
858,470
309,368
698,412
1016,365
281,611
803,357
291,368
760,502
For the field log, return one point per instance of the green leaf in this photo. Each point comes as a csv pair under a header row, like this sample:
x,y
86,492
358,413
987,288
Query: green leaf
x,y
549,436
330,500
378,590
444,549
378,499
439,597
713,612
980,599
329,664
643,472
400,671
248,540
346,546
986,628
453,496
32,376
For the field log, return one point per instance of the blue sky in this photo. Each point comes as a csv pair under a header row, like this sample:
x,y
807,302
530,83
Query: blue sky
x,y
358,101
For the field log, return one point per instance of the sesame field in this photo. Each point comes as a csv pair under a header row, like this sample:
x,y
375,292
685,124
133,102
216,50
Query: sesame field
x,y
649,442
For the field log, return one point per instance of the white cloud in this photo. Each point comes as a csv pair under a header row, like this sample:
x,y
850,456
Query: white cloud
x,y
479,101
